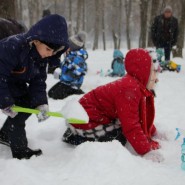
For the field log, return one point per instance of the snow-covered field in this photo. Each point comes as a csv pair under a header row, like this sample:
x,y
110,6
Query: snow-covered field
x,y
100,163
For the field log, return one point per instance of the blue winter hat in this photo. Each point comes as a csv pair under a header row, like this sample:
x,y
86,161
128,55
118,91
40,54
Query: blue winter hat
x,y
51,29
117,54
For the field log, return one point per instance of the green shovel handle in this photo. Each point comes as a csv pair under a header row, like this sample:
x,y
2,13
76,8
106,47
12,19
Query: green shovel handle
x,y
54,114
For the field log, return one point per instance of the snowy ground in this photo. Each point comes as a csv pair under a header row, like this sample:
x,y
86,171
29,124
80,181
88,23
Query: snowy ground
x,y
100,163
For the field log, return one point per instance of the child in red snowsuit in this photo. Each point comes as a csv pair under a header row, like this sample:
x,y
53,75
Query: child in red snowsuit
x,y
128,100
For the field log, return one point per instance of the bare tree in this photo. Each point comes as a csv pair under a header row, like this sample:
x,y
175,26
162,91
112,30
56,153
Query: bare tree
x,y
70,29
8,9
36,14
119,23
96,24
177,52
116,23
114,34
103,24
83,14
79,15
155,5
143,23
18,9
128,9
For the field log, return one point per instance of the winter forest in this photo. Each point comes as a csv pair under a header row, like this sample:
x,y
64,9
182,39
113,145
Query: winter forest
x,y
108,23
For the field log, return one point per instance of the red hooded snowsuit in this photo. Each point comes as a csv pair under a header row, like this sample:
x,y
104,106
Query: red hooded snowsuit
x,y
128,100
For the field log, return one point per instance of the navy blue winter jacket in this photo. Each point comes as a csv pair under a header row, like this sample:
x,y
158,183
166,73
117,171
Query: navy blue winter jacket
x,y
22,70
164,35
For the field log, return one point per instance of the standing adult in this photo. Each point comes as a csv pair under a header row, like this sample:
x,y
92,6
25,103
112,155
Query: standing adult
x,y
165,31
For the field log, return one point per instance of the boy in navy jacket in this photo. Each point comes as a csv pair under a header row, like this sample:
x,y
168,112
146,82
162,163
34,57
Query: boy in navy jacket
x,y
23,61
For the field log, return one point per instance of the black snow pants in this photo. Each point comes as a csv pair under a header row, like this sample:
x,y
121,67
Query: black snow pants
x,y
61,91
14,128
72,139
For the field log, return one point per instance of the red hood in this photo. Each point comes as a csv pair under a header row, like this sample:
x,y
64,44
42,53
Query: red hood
x,y
138,64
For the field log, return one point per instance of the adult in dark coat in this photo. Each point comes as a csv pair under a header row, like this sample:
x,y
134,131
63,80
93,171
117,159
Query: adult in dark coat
x,y
10,27
23,61
165,31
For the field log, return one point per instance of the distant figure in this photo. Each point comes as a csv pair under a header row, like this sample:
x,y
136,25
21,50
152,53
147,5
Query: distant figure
x,y
10,27
165,31
118,67
46,12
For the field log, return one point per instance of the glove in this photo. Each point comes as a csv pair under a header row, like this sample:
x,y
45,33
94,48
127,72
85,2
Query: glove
x,y
174,47
42,116
154,156
57,73
9,112
154,145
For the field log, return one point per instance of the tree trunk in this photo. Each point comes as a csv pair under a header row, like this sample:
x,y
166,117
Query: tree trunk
x,y
128,8
8,9
120,23
96,26
177,52
103,25
79,15
83,15
34,15
154,12
18,6
70,30
143,23
114,25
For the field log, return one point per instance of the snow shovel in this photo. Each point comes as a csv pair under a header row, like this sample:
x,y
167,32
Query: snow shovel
x,y
54,114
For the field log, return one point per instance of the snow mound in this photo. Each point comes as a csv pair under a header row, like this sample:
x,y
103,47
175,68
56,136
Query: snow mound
x,y
111,163
73,109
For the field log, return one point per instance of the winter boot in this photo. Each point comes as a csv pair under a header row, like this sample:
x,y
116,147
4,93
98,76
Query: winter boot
x,y
72,139
4,138
25,153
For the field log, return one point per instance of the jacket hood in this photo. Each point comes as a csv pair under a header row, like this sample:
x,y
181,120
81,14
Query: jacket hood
x,y
138,64
117,54
51,29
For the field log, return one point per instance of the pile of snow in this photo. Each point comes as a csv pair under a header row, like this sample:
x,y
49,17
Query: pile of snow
x,y
73,109
100,163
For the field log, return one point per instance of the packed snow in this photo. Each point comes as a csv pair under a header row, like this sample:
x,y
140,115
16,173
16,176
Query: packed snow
x,y
73,109
101,163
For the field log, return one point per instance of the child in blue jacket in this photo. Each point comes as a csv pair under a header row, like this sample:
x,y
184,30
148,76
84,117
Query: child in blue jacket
x,y
73,70
118,67
23,61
